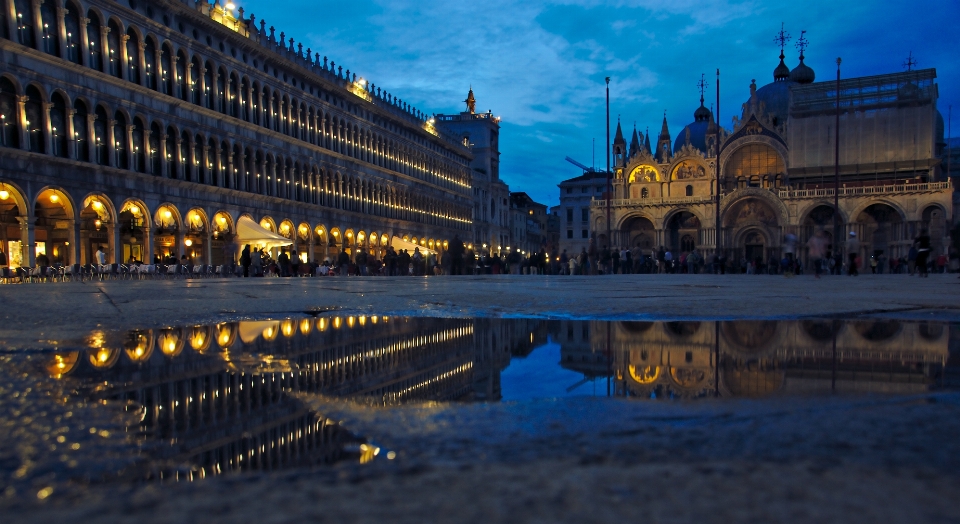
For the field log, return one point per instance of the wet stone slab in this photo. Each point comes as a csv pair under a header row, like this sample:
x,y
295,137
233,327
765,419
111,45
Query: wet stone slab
x,y
141,407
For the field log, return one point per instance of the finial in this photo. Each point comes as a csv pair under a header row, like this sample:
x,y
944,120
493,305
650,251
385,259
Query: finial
x,y
782,38
802,43
703,85
910,63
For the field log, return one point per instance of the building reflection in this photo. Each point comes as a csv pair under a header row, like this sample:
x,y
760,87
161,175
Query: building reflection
x,y
692,359
222,398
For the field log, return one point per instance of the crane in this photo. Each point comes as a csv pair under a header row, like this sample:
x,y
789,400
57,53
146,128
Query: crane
x,y
578,164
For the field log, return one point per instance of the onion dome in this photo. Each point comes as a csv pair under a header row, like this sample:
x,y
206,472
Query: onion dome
x,y
782,72
695,132
803,74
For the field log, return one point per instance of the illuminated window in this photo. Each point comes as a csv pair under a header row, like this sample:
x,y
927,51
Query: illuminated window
x,y
754,160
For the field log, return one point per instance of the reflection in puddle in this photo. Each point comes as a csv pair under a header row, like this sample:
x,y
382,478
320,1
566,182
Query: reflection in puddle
x,y
208,400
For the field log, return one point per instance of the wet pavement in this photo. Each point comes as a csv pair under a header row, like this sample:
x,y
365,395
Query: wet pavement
x,y
486,419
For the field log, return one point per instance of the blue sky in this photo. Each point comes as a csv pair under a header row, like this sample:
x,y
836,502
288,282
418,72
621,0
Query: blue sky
x,y
540,65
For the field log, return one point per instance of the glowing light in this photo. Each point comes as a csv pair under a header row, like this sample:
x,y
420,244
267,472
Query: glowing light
x,y
167,214
54,198
97,205
188,242
4,194
135,210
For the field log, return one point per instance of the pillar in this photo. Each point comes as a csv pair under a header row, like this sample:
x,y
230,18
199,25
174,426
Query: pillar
x,y
37,28
124,59
61,30
84,41
27,241
22,128
46,128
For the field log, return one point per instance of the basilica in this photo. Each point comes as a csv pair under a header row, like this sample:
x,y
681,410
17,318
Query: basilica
x,y
775,170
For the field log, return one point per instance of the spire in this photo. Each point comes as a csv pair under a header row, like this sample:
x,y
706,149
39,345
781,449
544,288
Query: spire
x,y
664,131
702,114
782,72
646,142
471,101
802,74
618,138
634,141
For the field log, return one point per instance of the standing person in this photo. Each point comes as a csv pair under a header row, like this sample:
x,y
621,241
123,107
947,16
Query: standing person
x,y
343,263
245,260
283,260
923,252
816,249
661,260
615,255
101,256
361,261
853,250
790,249
912,259
456,250
593,255
256,261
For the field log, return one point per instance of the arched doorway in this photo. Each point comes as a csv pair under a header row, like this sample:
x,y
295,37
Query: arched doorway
x,y
335,243
167,221
223,248
682,232
133,228
754,227
881,232
639,232
12,208
935,222
322,243
53,227
195,237
304,245
819,219
96,228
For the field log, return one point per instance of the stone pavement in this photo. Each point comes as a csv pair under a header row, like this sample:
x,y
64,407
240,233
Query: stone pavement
x,y
34,314
844,459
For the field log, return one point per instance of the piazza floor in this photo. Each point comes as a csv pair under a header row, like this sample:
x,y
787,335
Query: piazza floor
x,y
840,459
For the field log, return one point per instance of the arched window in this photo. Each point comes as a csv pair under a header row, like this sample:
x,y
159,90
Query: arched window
x,y
195,72
137,147
150,65
208,99
156,164
80,138
34,120
644,193
72,27
173,158
754,160
689,190
183,91
101,143
185,160
166,70
58,126
24,13
221,104
133,57
50,27
94,44
242,102
9,123
120,141
113,50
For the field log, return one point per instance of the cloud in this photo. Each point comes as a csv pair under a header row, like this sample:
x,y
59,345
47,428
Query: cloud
x,y
541,65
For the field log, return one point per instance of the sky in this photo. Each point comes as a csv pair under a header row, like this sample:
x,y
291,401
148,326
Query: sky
x,y
540,66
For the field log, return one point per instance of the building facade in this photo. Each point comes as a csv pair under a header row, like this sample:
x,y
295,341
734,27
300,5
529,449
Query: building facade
x,y
150,127
528,224
776,172
576,198
491,212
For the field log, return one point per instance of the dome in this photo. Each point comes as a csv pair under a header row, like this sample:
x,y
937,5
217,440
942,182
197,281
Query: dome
x,y
782,72
802,74
776,100
698,135
702,114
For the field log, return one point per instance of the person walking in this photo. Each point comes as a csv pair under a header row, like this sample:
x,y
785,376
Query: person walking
x,y
456,249
816,250
283,261
923,252
245,260
853,251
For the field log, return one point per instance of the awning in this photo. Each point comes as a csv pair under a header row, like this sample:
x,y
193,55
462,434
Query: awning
x,y
250,232
399,243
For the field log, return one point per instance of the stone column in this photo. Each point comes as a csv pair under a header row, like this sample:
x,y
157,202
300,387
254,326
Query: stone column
x,y
47,129
104,49
179,249
131,154
247,101
124,59
230,175
27,242
111,144
188,80
201,168
22,127
179,160
142,64
202,85
217,175
165,156
84,42
10,7
71,135
37,26
73,238
113,239
91,138
62,32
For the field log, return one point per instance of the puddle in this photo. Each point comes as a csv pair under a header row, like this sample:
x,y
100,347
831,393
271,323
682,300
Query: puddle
x,y
183,403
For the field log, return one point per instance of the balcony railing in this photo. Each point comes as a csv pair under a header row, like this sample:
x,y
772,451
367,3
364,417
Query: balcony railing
x,y
629,202
866,190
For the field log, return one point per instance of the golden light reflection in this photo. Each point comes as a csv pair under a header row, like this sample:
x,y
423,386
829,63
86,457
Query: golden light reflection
x,y
199,338
225,335
645,374
362,320
306,326
271,332
103,358
63,363
288,328
322,324
351,321
138,346
368,452
374,319
337,322
170,342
